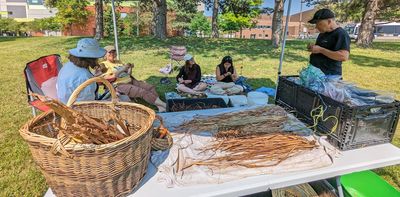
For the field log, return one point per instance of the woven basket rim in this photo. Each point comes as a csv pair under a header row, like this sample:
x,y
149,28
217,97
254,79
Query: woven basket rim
x,y
33,137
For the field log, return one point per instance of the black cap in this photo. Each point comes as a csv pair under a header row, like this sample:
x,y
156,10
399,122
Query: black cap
x,y
322,14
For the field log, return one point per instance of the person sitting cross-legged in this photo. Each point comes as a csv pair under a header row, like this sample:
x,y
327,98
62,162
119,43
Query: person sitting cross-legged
x,y
189,77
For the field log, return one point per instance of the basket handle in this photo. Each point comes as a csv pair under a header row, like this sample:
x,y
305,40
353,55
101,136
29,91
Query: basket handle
x,y
78,90
162,126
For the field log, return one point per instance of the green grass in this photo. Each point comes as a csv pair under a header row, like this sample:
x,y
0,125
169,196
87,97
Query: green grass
x,y
376,68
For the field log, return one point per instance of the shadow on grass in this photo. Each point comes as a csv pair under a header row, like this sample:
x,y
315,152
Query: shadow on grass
x,y
253,49
362,60
386,45
5,39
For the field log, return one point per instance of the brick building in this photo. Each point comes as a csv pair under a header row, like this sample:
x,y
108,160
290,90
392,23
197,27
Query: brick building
x,y
263,28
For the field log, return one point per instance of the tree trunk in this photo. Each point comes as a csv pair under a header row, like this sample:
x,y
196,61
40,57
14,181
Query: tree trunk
x,y
214,27
99,20
366,31
241,31
160,19
277,23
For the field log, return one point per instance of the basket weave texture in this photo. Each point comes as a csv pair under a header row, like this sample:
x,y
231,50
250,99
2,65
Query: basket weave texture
x,y
113,169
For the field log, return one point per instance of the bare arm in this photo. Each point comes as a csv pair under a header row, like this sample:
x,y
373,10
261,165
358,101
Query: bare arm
x,y
341,55
234,75
218,74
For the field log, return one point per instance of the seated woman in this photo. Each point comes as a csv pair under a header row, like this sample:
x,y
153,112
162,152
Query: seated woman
x,y
226,76
189,77
126,83
76,71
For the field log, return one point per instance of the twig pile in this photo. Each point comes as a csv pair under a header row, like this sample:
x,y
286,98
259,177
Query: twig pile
x,y
263,120
84,129
254,151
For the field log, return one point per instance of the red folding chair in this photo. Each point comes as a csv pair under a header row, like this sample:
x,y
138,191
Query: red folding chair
x,y
41,78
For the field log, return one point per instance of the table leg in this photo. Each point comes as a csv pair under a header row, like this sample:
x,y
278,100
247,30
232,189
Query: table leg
x,y
339,187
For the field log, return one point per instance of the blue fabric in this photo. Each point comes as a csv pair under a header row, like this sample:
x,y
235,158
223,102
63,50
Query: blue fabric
x,y
269,91
242,82
313,78
69,78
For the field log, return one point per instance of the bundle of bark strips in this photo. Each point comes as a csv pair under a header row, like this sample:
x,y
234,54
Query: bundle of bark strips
x,y
253,151
264,120
82,128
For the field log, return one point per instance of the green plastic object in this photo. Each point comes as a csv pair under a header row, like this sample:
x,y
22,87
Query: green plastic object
x,y
366,184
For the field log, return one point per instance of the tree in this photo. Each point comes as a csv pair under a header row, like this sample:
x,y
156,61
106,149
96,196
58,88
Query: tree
x,y
231,22
242,12
215,33
200,24
159,9
70,12
366,32
109,23
160,19
99,19
228,23
185,11
277,23
364,11
129,23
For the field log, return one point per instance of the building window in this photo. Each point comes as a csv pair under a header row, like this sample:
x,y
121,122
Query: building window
x,y
10,13
260,35
266,35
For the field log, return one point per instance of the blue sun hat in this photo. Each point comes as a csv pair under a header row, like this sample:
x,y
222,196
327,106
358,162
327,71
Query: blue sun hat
x,y
188,57
88,48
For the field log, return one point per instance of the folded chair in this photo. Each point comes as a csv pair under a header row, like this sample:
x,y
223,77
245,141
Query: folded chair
x,y
41,78
176,54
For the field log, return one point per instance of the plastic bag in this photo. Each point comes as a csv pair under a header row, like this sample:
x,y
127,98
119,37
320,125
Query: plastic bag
x,y
313,78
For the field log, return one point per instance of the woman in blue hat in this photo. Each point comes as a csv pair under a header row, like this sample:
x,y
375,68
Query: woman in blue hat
x,y
76,71
189,77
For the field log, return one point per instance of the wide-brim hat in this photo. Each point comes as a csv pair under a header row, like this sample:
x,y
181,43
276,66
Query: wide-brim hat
x,y
88,48
110,48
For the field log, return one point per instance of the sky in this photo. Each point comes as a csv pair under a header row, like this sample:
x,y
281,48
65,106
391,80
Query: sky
x,y
295,8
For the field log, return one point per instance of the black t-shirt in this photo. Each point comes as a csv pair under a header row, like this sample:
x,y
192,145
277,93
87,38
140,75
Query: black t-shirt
x,y
223,71
335,40
193,73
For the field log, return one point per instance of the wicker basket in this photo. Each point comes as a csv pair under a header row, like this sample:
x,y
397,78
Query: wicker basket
x,y
113,169
161,143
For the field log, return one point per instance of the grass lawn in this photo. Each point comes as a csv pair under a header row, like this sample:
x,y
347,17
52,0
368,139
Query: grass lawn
x,y
377,68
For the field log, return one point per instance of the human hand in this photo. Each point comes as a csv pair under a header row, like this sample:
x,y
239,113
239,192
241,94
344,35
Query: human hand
x,y
309,46
228,73
316,49
187,81
181,80
130,65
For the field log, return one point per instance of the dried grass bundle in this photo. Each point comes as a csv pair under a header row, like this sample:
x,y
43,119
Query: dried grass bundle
x,y
269,119
254,151
82,128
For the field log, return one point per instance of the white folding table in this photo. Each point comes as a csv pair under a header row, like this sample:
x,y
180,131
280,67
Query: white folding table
x,y
366,158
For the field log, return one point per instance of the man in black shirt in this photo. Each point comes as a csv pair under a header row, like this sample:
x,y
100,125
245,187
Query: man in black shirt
x,y
332,45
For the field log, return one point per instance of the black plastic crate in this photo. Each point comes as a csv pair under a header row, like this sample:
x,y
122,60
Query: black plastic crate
x,y
358,126
185,104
